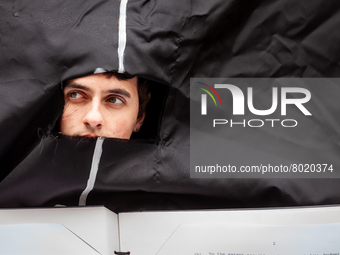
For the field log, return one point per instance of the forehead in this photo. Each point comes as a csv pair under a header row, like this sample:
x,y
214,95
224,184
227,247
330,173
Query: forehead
x,y
100,83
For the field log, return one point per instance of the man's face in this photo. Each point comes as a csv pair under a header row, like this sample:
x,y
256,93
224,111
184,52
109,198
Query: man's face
x,y
99,106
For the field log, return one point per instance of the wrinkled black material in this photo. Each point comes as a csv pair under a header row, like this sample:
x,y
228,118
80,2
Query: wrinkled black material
x,y
45,42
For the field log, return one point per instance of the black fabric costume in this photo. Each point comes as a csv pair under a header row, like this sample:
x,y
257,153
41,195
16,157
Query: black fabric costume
x,y
43,43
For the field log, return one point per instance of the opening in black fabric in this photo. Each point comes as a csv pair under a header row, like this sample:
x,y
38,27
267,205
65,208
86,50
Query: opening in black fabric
x,y
154,112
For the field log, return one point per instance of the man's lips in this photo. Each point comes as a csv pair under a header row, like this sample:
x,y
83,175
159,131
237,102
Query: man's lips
x,y
90,135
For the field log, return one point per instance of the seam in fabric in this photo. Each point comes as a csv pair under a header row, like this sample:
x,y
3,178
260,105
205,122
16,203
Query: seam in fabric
x,y
122,35
94,170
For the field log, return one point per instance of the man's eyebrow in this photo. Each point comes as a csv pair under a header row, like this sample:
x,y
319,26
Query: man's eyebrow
x,y
77,86
122,92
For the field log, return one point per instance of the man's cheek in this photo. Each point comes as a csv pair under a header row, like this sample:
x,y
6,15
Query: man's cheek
x,y
69,120
122,128
71,112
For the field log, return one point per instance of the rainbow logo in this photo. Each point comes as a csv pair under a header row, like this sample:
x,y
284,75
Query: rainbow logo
x,y
204,97
209,93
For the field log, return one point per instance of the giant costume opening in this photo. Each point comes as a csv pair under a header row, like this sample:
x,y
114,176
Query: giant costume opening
x,y
44,43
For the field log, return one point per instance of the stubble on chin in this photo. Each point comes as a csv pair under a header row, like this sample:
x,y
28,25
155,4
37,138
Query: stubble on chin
x,y
88,132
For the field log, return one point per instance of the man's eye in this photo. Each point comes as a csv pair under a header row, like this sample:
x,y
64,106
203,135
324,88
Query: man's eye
x,y
74,94
114,100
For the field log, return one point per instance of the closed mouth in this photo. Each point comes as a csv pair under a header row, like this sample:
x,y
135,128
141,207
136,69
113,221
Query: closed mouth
x,y
90,136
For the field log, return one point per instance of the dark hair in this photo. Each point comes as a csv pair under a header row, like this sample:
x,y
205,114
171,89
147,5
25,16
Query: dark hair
x,y
142,87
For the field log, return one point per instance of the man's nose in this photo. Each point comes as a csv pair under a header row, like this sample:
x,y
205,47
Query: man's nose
x,y
94,118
